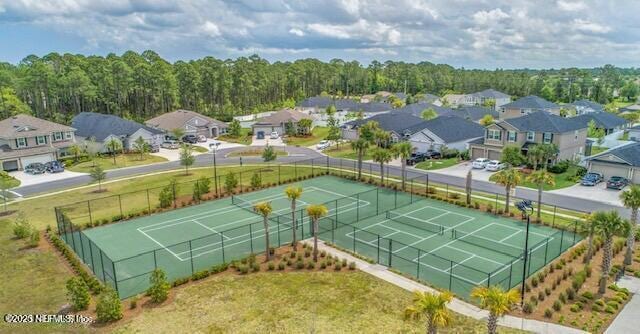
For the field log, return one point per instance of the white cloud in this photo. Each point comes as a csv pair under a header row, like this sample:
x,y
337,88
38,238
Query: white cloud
x,y
296,32
487,17
584,25
211,29
571,6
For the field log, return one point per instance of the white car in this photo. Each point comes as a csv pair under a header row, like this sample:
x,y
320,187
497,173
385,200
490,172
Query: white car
x,y
322,145
480,163
170,144
274,135
495,165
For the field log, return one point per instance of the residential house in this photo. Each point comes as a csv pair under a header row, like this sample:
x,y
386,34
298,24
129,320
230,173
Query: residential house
x,y
382,96
189,121
450,131
455,100
346,109
631,108
620,161
26,139
634,133
102,128
585,107
475,113
568,134
416,109
395,122
609,122
499,98
527,105
429,98
278,122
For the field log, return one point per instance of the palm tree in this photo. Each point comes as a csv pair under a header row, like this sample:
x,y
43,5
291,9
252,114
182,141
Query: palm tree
x,y
549,152
432,306
114,145
403,150
609,226
315,212
382,156
496,301
589,228
509,178
264,209
535,155
76,150
360,146
141,146
428,114
631,199
541,177
382,138
293,193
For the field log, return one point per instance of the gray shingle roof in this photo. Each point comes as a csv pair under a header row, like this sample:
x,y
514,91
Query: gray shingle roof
x,y
416,109
491,93
603,120
345,104
22,125
100,126
281,117
452,129
393,121
429,98
177,119
475,113
629,153
316,102
531,102
542,121
588,104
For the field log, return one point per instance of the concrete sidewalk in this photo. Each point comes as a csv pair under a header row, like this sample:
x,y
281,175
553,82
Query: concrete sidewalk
x,y
627,320
456,305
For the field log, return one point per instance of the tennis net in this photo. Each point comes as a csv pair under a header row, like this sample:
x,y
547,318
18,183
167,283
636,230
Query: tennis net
x,y
242,203
489,244
414,222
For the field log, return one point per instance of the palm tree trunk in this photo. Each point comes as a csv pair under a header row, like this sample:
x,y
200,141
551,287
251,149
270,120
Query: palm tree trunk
x,y
403,164
492,324
266,238
589,254
508,193
539,201
294,242
631,238
606,259
360,153
431,326
382,173
315,240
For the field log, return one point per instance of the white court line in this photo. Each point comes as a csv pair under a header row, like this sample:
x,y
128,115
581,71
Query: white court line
x,y
530,232
161,245
510,236
470,219
478,256
461,262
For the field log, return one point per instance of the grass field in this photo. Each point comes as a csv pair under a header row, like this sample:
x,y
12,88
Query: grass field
x,y
122,160
294,302
317,134
437,164
12,182
244,138
254,152
562,180
345,151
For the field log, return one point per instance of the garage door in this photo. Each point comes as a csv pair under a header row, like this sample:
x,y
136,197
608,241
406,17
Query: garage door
x,y
636,176
477,153
43,158
609,170
10,165
494,155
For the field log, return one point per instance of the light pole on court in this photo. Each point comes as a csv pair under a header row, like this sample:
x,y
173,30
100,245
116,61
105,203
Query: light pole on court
x,y
526,208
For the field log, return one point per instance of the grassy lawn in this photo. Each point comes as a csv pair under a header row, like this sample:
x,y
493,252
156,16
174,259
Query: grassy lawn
x,y
294,302
563,180
244,138
122,160
199,149
317,134
12,182
437,164
345,152
253,152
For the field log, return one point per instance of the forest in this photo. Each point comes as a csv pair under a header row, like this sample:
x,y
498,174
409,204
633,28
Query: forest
x,y
141,86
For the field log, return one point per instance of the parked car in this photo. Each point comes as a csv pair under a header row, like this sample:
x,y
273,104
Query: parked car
x,y
202,139
154,148
170,144
54,167
35,168
495,165
191,139
415,158
591,179
274,135
617,182
431,154
480,163
322,145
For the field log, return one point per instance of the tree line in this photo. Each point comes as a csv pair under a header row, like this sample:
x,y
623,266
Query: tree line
x,y
139,86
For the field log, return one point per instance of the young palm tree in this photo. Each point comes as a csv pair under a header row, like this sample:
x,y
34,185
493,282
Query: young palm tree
x,y
541,177
631,199
382,156
433,307
360,146
264,209
114,145
382,138
403,150
535,154
509,178
609,226
76,151
496,301
315,212
293,194
589,228
549,152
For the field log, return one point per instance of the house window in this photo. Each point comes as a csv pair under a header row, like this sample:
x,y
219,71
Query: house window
x,y
512,136
57,136
531,136
525,111
21,142
41,140
68,135
494,134
547,137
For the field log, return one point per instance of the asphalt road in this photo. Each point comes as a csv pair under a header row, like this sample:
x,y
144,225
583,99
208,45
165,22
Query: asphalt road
x,y
301,154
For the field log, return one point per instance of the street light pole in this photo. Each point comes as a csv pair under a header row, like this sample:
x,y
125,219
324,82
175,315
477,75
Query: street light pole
x,y
214,148
527,209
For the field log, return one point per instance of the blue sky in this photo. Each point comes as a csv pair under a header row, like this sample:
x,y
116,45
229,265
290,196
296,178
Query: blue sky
x,y
472,34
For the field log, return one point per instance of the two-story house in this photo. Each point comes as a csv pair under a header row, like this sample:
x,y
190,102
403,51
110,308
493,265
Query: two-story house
x,y
568,134
25,139
527,105
586,107
499,98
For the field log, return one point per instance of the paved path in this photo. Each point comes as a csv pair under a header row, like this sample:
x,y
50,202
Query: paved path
x,y
456,305
627,321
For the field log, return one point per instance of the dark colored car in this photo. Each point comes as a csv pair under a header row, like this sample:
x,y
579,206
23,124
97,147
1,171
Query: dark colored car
x,y
591,179
54,167
415,158
35,168
191,139
617,182
431,154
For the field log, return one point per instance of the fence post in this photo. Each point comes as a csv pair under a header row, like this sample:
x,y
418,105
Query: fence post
x,y
278,231
575,230
553,222
295,170
115,280
81,247
241,182
312,174
529,267
120,203
546,248
89,207
418,271
390,251
446,191
488,280
377,201
395,199
340,167
148,201
191,257
251,237
175,198
496,210
155,260
561,240
279,182
510,273
450,275
104,278
354,238
222,245
378,248
426,189
91,257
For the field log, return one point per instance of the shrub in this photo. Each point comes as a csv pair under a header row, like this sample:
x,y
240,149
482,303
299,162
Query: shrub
x,y
588,270
289,262
527,308
562,297
255,267
541,277
34,238
588,295
540,296
271,266
571,293
323,253
612,303
281,266
109,307
180,281
575,308
21,227
300,264
198,275
352,266
133,303
323,265
596,307
256,180
547,291
489,208
311,265
307,253
293,254
548,313
610,310
78,294
534,281
557,305
337,266
551,268
244,269
344,262
159,287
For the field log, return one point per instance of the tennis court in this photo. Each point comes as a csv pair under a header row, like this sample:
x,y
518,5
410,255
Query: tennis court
x,y
452,247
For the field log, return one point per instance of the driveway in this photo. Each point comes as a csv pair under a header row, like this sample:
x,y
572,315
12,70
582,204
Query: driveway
x,y
223,144
627,320
598,192
29,180
267,141
461,170
174,155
